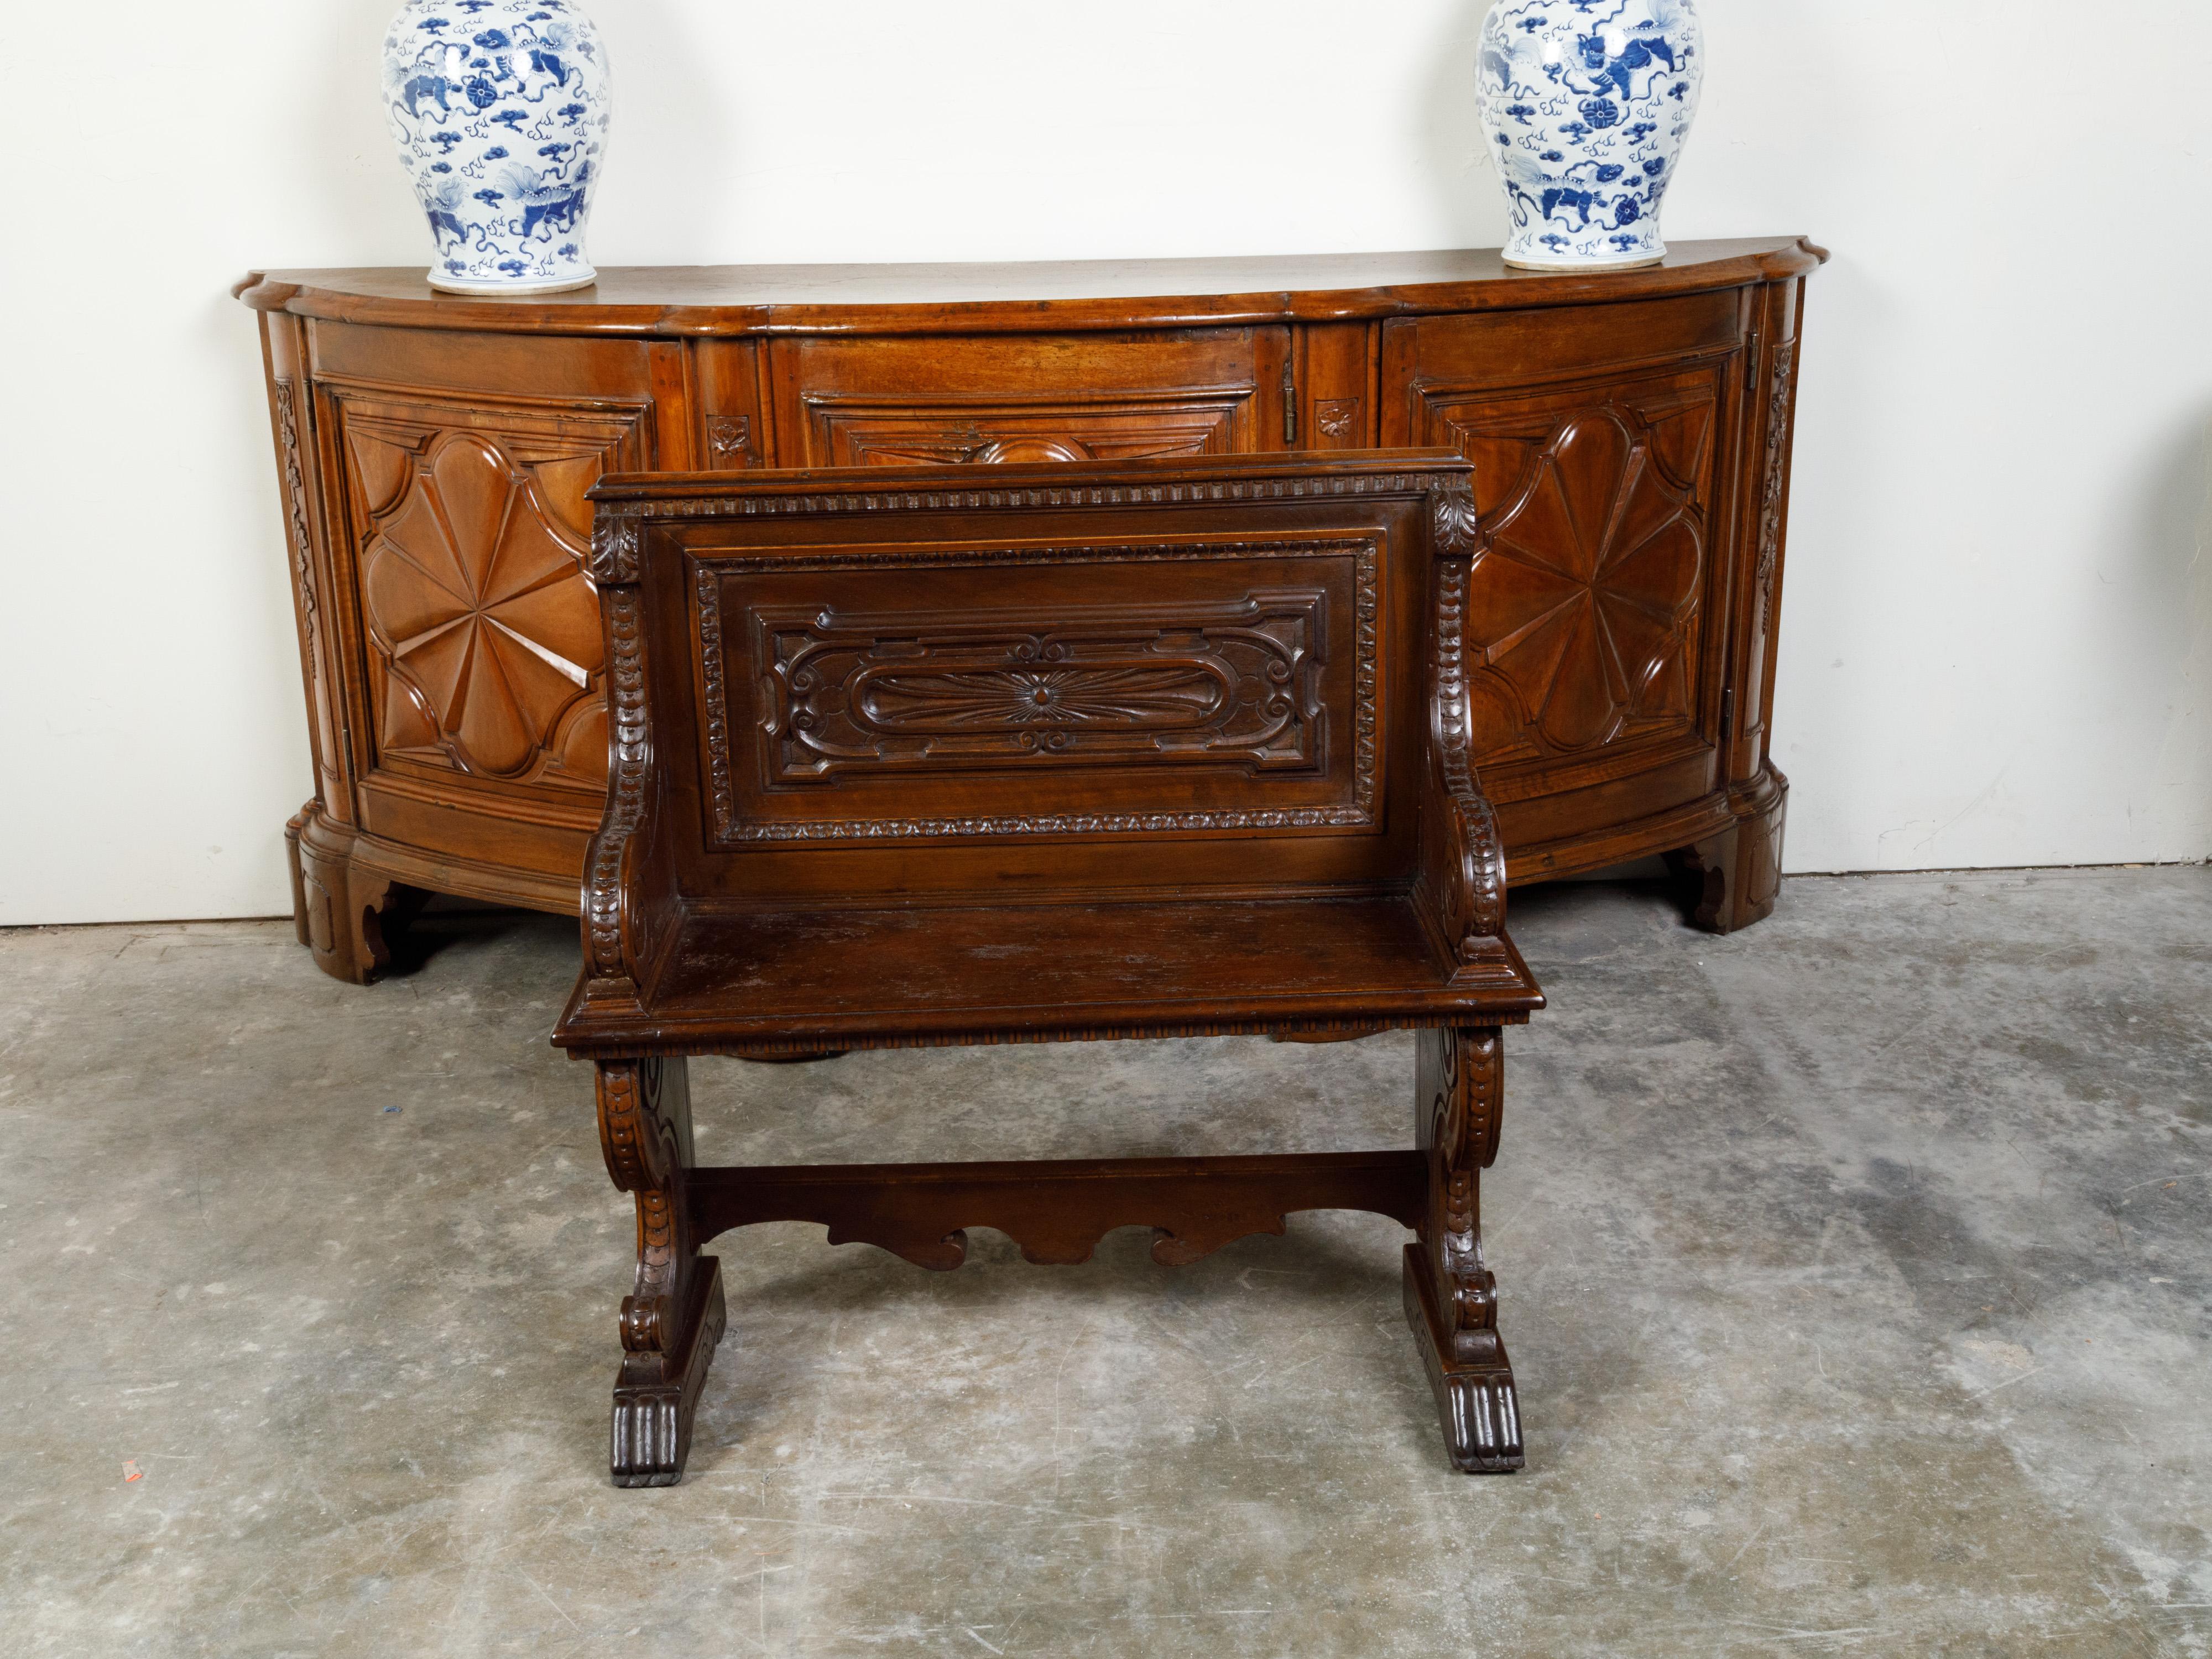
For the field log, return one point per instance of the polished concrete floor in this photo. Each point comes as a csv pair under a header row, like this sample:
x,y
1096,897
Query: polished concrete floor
x,y
1856,1271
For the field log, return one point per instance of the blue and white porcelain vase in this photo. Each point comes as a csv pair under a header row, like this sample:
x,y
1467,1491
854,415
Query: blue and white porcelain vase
x,y
1586,104
501,110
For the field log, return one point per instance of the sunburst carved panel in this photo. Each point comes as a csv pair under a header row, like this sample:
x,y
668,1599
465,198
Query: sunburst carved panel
x,y
483,626
1585,603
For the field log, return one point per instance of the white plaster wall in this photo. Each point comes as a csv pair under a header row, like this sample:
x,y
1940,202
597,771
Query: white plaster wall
x,y
1997,629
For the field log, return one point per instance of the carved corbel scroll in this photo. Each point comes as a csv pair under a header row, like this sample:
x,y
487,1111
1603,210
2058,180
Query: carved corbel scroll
x,y
674,1316
612,948
614,546
1462,858
617,920
1454,525
1451,1297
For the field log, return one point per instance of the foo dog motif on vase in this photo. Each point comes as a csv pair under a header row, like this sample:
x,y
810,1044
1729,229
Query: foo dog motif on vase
x,y
500,109
1586,104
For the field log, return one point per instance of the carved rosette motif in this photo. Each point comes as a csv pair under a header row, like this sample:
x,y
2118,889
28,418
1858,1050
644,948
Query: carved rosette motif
x,y
730,437
990,710
1586,583
1049,706
1337,417
297,533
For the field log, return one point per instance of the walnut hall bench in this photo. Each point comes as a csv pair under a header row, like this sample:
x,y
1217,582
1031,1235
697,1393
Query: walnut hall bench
x,y
1075,751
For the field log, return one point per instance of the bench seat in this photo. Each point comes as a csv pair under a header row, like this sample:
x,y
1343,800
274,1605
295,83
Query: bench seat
x,y
776,982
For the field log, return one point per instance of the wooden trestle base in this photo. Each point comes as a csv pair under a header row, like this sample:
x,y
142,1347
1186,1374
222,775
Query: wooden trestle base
x,y
1056,1212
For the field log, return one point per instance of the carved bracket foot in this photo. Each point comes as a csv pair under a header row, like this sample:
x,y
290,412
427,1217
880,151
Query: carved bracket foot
x,y
657,1396
349,917
1738,871
1475,1402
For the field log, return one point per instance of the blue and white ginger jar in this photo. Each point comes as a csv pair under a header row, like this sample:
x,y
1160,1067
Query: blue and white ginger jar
x,y
1586,104
501,110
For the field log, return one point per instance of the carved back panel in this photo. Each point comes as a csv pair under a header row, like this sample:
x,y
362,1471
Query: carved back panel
x,y
1198,682
1034,687
471,535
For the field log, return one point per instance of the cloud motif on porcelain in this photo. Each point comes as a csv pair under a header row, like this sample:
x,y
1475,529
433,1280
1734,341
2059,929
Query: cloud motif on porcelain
x,y
499,109
1585,105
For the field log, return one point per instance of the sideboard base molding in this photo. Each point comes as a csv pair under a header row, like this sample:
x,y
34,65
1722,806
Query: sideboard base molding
x,y
343,910
353,894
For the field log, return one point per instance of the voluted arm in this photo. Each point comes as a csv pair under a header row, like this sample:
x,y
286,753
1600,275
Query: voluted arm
x,y
1460,885
627,885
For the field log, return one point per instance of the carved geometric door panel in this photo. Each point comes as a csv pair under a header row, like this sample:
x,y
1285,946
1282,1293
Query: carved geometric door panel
x,y
472,532
1586,608
929,402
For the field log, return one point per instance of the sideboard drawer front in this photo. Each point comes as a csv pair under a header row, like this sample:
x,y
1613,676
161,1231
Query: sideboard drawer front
x,y
877,402
469,530
1501,349
1179,686
567,371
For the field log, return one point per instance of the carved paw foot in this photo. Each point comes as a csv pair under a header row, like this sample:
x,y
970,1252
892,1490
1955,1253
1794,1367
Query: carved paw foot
x,y
651,1434
1481,1421
1476,1404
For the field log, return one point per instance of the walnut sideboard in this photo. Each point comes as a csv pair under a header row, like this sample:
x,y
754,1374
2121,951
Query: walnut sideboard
x,y
1630,432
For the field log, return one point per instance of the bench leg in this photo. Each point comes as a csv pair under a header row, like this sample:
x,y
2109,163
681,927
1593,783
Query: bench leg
x,y
1451,1298
673,1316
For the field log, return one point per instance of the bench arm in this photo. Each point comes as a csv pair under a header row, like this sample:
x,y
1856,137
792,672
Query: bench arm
x,y
629,897
1460,884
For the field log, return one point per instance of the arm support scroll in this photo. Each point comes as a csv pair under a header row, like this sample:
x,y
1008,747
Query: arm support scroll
x,y
1461,882
627,886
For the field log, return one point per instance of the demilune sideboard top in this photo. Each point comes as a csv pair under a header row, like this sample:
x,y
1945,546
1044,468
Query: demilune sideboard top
x,y
1630,432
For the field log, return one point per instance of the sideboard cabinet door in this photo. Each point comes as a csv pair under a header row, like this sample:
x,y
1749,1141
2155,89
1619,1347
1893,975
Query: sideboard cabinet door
x,y
477,671
1603,451
903,401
